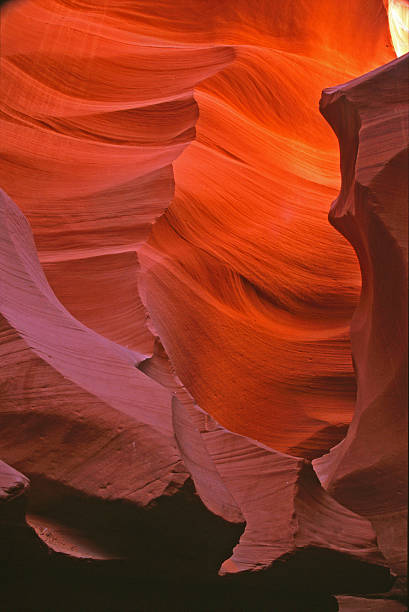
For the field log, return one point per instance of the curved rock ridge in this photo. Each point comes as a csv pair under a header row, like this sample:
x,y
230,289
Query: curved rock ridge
x,y
291,522
97,102
249,289
367,471
92,114
85,287
66,382
63,428
293,527
93,432
241,283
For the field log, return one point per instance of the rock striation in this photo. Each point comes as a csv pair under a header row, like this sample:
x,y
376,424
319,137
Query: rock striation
x,y
294,529
97,103
367,471
249,288
93,433
121,314
61,375
103,107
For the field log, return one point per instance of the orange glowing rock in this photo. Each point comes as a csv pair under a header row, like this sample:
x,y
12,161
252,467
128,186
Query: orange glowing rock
x,y
97,102
248,287
212,275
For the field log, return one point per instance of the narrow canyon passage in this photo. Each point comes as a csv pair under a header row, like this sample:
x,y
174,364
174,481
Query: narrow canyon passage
x,y
203,281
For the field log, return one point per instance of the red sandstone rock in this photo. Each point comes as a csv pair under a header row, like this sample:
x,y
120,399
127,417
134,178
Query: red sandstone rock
x,y
367,472
93,110
97,103
294,529
74,407
102,293
92,432
250,290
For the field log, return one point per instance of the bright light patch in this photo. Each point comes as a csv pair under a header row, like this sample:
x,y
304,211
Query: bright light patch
x,y
398,14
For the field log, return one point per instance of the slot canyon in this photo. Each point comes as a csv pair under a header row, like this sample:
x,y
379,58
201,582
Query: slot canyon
x,y
203,305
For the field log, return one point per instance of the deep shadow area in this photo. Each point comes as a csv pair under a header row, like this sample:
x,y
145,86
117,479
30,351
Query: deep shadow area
x,y
169,562
115,587
175,534
313,567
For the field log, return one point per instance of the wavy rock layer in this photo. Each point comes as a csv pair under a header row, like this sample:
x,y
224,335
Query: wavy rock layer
x,y
93,112
97,103
242,284
85,287
368,471
114,456
249,289
93,433
307,532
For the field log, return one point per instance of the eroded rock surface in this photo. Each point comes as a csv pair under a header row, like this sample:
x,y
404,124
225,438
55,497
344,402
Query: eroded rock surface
x,y
294,529
93,433
368,470
242,283
97,103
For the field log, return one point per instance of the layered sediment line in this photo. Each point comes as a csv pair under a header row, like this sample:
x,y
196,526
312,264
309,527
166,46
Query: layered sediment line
x,y
368,470
98,102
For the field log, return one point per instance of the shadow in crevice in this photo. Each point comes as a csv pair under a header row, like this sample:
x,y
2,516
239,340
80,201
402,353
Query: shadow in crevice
x,y
120,588
174,535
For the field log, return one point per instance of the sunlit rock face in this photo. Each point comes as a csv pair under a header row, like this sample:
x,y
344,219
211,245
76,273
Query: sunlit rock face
x,y
249,288
94,110
177,175
245,261
398,14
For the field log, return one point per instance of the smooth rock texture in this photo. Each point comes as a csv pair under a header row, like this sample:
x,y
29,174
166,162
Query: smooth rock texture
x,y
93,433
294,529
137,299
368,471
97,103
249,289
94,110
46,355
84,286
241,479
